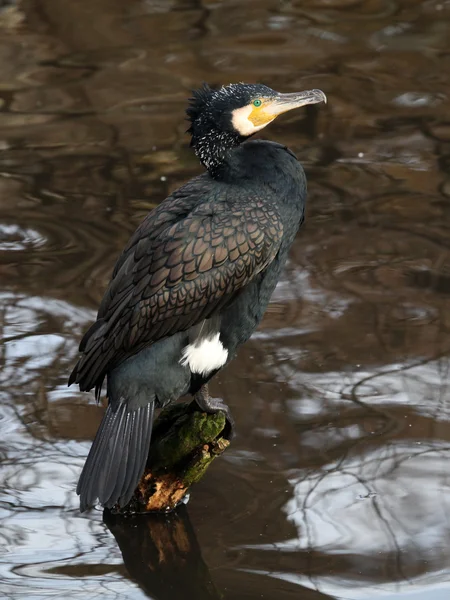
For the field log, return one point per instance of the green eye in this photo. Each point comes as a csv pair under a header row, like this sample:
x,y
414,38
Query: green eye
x,y
257,103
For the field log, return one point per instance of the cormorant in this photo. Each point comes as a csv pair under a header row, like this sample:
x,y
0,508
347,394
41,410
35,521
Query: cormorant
x,y
193,282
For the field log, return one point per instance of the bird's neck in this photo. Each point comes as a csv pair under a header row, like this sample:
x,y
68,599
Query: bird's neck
x,y
213,148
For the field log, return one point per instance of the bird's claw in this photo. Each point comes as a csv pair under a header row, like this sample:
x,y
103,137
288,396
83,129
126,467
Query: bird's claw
x,y
214,405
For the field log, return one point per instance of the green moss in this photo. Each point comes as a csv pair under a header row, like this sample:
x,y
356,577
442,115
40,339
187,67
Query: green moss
x,y
197,469
184,443
180,432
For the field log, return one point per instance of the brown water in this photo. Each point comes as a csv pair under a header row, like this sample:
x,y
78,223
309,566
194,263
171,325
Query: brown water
x,y
337,484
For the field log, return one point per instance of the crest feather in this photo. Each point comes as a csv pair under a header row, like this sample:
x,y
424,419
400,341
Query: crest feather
x,y
198,102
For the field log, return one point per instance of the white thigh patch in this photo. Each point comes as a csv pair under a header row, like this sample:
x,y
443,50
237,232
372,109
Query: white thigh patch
x,y
204,356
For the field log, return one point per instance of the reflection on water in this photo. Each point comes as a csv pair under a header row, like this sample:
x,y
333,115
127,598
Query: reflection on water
x,y
336,486
162,555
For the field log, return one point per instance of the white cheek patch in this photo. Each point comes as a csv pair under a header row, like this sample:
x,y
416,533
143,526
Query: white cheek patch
x,y
241,122
204,356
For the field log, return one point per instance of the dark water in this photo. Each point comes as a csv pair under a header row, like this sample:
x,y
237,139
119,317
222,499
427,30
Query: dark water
x,y
337,485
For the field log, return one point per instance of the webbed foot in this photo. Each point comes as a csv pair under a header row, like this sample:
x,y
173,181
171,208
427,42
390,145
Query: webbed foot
x,y
213,405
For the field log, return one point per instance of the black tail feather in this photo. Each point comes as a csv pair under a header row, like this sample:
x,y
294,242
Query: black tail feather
x,y
105,472
117,457
140,437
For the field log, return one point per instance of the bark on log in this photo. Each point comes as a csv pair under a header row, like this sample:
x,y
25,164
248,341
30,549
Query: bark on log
x,y
184,443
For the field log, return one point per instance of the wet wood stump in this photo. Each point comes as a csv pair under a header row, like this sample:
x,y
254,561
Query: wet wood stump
x,y
184,443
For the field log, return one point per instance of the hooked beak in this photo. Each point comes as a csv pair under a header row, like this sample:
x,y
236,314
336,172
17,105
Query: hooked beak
x,y
284,102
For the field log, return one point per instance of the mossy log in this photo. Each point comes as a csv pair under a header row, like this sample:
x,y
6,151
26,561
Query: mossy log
x,y
184,443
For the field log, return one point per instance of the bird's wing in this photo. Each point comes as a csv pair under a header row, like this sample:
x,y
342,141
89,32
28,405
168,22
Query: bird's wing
x,y
169,281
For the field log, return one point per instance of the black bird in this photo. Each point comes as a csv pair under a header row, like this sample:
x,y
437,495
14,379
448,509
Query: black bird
x,y
193,282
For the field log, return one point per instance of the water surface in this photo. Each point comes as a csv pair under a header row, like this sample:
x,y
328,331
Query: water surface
x,y
337,483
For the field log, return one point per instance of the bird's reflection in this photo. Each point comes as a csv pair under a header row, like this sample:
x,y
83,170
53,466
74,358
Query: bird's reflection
x,y
162,555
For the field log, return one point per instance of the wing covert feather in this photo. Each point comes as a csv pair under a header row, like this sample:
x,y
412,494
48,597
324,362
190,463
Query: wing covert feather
x,y
182,264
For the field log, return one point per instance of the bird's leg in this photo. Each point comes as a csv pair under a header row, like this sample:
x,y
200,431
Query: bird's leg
x,y
213,405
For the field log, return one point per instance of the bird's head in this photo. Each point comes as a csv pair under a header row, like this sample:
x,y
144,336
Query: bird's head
x,y
224,117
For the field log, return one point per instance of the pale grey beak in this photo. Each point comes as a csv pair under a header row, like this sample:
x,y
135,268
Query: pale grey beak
x,y
284,102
